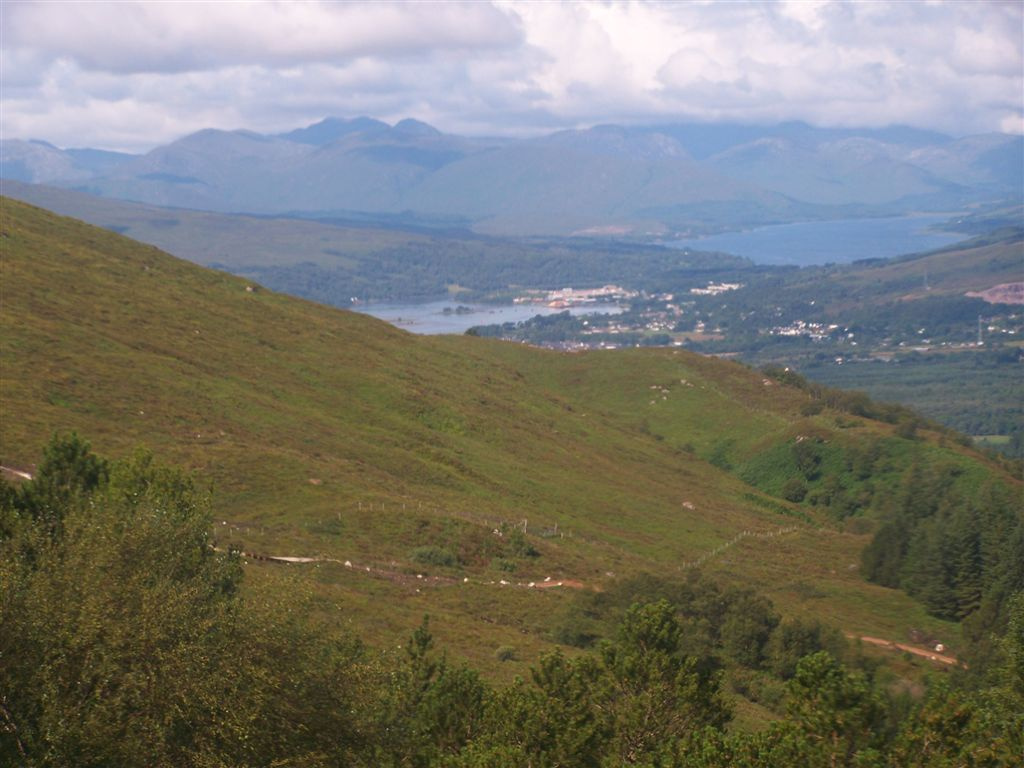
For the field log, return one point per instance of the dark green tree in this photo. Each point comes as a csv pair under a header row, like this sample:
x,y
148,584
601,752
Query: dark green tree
x,y
838,712
795,638
651,694
747,628
430,710
69,470
548,722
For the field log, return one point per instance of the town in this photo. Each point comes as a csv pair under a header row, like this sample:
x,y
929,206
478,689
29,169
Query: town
x,y
704,317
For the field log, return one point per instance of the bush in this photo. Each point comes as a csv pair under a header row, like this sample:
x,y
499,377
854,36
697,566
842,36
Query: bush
x,y
431,555
719,456
907,429
812,408
520,546
503,564
794,490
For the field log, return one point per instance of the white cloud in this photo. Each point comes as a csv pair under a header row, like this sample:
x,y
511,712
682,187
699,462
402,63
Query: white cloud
x,y
132,75
184,36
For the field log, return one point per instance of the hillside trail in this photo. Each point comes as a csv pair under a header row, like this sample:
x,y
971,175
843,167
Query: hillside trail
x,y
21,475
407,578
548,582
403,577
935,656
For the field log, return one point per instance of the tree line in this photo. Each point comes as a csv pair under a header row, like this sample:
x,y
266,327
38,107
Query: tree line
x,y
961,555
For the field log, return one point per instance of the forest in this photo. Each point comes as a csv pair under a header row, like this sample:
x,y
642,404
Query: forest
x,y
129,638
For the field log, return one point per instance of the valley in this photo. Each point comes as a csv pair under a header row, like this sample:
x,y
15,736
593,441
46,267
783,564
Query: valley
x,y
511,384
349,465
329,451
915,310
908,330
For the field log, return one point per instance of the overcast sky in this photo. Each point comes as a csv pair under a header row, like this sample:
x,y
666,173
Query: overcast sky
x,y
132,75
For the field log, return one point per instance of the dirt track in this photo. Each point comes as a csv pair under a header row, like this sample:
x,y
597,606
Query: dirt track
x,y
409,579
16,473
924,653
414,578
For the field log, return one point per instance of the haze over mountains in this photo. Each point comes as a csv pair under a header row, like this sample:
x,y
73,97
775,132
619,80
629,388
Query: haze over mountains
x,y
607,179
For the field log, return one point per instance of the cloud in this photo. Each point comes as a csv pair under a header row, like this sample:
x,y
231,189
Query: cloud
x,y
129,38
862,63
133,75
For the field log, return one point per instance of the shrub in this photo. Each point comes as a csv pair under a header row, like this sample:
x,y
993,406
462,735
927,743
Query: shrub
x,y
431,555
794,490
503,564
813,408
520,546
907,429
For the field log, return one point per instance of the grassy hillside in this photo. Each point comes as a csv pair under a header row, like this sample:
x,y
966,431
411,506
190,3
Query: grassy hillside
x,y
974,266
328,433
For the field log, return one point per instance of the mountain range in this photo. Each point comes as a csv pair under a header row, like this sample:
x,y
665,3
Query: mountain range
x,y
640,180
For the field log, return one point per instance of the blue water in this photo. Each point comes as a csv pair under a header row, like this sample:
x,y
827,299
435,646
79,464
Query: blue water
x,y
829,242
431,318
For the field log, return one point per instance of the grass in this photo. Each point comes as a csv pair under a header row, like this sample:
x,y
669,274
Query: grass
x,y
972,266
324,432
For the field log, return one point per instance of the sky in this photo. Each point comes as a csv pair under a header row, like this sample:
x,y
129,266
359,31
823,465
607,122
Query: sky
x,y
133,75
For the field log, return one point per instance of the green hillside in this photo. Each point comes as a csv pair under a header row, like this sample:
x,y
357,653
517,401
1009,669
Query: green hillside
x,y
975,265
327,433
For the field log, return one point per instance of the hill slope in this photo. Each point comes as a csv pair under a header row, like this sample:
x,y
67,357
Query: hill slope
x,y
330,433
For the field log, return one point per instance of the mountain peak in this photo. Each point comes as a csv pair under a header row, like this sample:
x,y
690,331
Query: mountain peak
x,y
412,127
332,128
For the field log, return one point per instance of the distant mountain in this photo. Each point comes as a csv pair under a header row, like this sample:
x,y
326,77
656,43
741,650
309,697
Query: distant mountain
x,y
332,128
850,169
990,161
576,180
637,180
40,162
702,140
210,169
99,161
842,172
